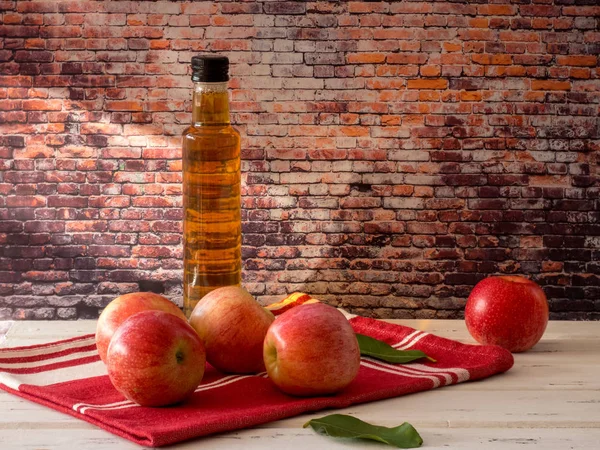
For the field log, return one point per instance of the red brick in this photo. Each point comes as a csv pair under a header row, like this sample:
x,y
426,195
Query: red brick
x,y
54,32
42,105
32,152
585,11
519,36
284,8
365,58
581,73
19,31
406,58
495,59
360,202
25,201
100,128
438,83
123,105
540,10
452,46
550,85
496,10
470,96
15,80
580,60
68,201
122,153
361,7
93,80
479,22
38,56
430,71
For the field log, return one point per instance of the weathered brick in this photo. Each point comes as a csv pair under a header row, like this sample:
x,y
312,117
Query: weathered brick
x,y
284,8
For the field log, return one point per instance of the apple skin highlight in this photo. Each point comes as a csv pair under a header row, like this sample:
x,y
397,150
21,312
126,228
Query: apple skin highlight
x,y
509,311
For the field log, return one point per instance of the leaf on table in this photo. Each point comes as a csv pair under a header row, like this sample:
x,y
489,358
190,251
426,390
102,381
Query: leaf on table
x,y
380,350
343,426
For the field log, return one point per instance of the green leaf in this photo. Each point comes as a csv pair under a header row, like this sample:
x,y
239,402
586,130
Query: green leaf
x,y
380,350
340,425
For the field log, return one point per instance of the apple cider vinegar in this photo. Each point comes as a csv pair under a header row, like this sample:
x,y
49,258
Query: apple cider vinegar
x,y
211,186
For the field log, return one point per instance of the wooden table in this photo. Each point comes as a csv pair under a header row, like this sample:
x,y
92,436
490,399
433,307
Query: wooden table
x,y
550,399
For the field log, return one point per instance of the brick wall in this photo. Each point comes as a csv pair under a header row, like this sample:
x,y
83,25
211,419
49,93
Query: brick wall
x,y
395,153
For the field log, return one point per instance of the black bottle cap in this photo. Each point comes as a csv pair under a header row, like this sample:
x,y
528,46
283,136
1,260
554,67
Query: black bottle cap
x,y
210,68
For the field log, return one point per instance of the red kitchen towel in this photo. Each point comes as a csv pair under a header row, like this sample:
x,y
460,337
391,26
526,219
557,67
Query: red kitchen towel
x,y
68,376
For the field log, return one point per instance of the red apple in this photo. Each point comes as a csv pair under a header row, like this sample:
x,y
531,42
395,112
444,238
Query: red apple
x,y
117,311
509,311
232,325
155,359
311,350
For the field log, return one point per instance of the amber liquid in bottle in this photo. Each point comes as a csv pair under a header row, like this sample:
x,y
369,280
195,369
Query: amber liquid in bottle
x,y
211,196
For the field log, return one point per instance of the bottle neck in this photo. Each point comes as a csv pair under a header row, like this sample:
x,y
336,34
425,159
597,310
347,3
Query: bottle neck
x,y
210,104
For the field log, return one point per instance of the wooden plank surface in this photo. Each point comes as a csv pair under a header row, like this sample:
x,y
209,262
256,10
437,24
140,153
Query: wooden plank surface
x,y
303,439
4,327
549,400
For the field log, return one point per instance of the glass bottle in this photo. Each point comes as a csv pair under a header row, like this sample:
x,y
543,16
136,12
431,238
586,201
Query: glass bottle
x,y
211,186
